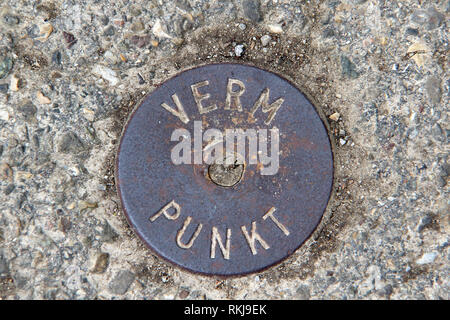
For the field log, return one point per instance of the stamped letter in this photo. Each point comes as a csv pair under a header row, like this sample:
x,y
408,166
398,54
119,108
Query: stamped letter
x,y
181,114
183,229
270,215
215,238
198,97
255,236
164,211
263,101
234,95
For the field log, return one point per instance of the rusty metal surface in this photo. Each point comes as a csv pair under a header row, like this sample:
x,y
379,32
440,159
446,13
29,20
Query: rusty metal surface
x,y
147,180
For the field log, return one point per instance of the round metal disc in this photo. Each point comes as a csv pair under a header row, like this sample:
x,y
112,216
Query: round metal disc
x,y
224,219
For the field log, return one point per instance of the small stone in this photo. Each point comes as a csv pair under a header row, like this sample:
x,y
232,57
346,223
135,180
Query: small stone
x,y
110,57
158,30
5,66
342,141
348,68
14,83
303,293
239,50
178,41
386,290
431,18
83,205
275,28
438,133
4,87
154,43
27,111
70,39
418,52
137,26
104,20
265,39
46,30
110,31
9,188
335,116
412,32
251,10
424,222
70,143
102,262
121,282
108,233
433,87
328,33
140,41
135,12
119,23
107,74
441,181
65,224
141,79
42,99
242,26
6,173
184,294
4,114
23,175
4,269
88,114
11,20
427,258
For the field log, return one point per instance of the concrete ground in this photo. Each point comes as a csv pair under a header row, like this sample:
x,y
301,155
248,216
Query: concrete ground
x,y
71,71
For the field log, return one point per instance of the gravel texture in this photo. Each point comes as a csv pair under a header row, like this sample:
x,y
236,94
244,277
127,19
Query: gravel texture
x,y
71,71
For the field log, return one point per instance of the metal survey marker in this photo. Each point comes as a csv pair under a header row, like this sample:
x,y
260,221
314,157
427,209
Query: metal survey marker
x,y
224,169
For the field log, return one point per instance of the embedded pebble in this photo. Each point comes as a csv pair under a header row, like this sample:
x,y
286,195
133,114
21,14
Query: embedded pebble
x,y
4,87
349,68
137,26
45,30
335,116
107,74
158,30
265,39
69,38
4,115
101,263
427,258
42,99
110,31
14,83
275,28
11,20
5,66
418,52
251,10
121,282
239,50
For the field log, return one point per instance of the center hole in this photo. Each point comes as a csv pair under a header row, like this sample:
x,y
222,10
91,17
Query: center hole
x,y
226,174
